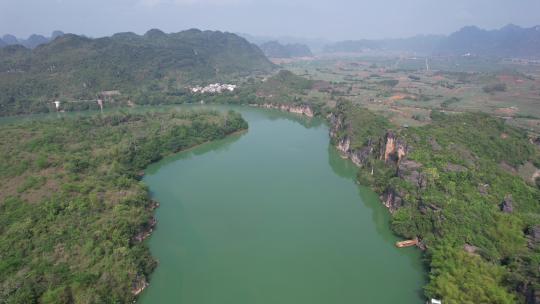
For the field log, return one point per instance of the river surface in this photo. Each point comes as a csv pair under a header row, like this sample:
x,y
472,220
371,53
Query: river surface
x,y
273,216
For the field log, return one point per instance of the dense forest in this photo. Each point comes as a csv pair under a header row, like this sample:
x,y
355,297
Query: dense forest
x,y
132,67
456,185
73,212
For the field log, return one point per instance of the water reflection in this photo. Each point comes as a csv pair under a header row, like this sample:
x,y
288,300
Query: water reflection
x,y
214,146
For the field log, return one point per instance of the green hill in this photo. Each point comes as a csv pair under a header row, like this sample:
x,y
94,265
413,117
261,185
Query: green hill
x,y
453,185
76,68
73,213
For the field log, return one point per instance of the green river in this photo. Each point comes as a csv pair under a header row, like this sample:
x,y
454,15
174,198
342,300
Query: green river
x,y
273,215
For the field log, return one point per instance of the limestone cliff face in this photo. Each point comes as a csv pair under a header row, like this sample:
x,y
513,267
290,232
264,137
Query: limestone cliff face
x,y
298,109
410,171
393,149
388,148
392,199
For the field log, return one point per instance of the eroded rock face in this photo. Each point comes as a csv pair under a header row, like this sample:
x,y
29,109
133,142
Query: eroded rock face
x,y
298,109
344,145
409,171
392,199
146,230
392,149
139,285
388,148
507,205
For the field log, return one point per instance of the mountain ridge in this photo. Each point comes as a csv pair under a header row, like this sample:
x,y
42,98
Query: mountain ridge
x,y
508,41
275,49
75,67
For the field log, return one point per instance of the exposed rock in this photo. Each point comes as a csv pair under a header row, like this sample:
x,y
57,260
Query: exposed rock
x,y
507,204
336,123
146,231
408,170
470,248
392,199
393,149
483,189
421,245
298,109
344,145
361,157
455,168
138,285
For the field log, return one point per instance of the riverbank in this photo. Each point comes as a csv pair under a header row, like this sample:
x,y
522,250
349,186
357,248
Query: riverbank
x,y
448,185
273,216
72,204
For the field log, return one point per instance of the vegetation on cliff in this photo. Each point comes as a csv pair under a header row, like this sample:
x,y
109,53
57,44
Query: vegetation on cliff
x,y
73,212
456,187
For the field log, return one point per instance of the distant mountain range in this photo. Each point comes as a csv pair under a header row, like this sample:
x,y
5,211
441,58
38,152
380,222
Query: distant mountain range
x,y
75,67
314,44
32,41
509,41
274,49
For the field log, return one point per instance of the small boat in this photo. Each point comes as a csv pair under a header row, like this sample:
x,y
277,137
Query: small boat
x,y
407,243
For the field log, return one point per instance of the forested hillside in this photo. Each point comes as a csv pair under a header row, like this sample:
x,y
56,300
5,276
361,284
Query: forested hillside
x,y
73,68
455,184
73,213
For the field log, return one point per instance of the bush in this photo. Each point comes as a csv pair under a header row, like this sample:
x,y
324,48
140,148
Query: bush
x,y
493,88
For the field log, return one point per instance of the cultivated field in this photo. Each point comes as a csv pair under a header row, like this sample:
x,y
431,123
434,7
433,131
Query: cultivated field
x,y
406,89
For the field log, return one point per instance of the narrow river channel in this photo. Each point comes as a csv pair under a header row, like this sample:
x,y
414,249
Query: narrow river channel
x,y
273,216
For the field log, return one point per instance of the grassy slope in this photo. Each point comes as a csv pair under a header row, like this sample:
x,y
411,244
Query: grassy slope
x,y
71,204
450,211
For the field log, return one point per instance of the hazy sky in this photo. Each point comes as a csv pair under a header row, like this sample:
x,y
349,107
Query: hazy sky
x,y
335,19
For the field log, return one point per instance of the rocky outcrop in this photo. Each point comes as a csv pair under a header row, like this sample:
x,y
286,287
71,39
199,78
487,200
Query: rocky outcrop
x,y
389,148
392,149
139,285
297,109
409,171
392,199
344,145
507,205
146,231
471,249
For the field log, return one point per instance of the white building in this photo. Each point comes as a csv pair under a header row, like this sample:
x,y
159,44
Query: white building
x,y
214,88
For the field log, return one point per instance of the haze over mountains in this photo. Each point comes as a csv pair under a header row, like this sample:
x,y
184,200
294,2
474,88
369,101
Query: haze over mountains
x,y
31,42
509,41
274,49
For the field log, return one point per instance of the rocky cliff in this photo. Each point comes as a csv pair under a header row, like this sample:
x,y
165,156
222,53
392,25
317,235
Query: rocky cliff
x,y
388,148
302,109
